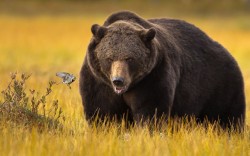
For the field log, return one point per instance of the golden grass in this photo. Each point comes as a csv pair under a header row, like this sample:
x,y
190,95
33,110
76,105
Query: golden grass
x,y
44,45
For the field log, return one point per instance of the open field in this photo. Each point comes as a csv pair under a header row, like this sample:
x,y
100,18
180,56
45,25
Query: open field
x,y
44,43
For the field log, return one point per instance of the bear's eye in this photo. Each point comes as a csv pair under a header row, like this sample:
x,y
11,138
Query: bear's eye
x,y
109,60
129,59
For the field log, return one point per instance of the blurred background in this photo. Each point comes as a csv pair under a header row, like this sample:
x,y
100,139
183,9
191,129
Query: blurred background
x,y
99,7
43,37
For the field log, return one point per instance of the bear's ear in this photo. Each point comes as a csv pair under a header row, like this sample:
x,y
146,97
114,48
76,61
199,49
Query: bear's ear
x,y
98,31
148,34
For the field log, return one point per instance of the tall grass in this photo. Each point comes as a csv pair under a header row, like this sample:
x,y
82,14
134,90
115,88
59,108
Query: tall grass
x,y
43,45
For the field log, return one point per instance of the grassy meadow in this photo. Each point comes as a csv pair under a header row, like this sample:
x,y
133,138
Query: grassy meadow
x,y
41,38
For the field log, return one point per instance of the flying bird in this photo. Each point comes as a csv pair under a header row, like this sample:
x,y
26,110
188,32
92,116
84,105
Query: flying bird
x,y
66,77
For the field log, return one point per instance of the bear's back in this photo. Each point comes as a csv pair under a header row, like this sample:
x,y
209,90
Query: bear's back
x,y
192,41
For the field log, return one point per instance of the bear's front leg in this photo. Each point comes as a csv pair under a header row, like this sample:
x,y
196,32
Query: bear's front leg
x,y
150,104
99,100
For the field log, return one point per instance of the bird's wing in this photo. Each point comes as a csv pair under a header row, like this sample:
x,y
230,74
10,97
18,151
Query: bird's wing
x,y
61,74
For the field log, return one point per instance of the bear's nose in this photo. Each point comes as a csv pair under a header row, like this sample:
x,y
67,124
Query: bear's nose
x,y
118,81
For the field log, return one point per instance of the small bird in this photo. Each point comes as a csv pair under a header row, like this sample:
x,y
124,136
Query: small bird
x,y
67,78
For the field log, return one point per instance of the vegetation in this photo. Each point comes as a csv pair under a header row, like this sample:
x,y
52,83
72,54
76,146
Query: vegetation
x,y
42,38
28,110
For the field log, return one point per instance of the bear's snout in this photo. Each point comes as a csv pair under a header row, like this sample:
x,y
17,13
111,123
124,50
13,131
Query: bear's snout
x,y
120,77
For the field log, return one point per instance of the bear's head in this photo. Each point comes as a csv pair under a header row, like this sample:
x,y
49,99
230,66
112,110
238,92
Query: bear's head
x,y
122,54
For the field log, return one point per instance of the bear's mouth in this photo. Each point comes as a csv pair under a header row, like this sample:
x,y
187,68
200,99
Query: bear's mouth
x,y
120,90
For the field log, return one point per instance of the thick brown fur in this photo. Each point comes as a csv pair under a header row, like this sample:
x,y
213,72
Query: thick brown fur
x,y
175,70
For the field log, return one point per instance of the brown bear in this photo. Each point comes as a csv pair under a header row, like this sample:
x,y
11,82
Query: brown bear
x,y
140,69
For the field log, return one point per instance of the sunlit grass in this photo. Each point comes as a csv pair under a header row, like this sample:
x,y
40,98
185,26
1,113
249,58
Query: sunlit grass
x,y
44,45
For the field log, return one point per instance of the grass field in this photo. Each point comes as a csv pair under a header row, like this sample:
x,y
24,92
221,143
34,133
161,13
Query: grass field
x,y
45,43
